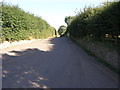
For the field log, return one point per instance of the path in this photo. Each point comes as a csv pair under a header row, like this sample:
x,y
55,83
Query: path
x,y
54,63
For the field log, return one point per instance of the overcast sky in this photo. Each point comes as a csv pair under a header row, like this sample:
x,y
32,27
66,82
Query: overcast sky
x,y
54,11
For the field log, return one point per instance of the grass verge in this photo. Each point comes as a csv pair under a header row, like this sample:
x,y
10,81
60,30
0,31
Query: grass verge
x,y
102,61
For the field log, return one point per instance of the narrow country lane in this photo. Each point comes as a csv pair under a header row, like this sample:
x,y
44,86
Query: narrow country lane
x,y
54,63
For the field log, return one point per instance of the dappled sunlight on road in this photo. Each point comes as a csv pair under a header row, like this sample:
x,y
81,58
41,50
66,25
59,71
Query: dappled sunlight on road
x,y
25,74
43,45
12,53
53,63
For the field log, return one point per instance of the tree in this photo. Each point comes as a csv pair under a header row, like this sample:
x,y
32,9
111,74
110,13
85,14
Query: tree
x,y
61,30
68,20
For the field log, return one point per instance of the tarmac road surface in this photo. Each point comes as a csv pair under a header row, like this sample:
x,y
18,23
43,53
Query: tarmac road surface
x,y
53,63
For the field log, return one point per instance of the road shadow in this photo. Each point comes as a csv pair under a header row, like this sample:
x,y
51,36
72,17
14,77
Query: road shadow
x,y
26,69
56,68
21,73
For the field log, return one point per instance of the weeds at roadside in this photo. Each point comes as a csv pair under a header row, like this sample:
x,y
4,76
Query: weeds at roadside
x,y
102,61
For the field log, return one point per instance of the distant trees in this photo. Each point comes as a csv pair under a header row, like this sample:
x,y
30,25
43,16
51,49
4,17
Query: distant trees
x,y
19,25
68,19
61,30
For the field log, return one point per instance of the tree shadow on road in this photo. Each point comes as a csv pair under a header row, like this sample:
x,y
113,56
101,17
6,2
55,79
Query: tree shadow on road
x,y
36,68
20,72
26,69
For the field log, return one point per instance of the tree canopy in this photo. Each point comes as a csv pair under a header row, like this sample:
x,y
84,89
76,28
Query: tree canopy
x,y
61,30
68,19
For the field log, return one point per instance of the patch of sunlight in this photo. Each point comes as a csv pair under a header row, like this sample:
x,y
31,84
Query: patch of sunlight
x,y
35,85
37,80
44,87
119,36
13,54
25,72
5,72
18,81
40,78
44,46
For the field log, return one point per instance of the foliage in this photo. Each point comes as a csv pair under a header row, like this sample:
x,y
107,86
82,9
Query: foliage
x,y
97,22
101,60
61,30
19,25
68,19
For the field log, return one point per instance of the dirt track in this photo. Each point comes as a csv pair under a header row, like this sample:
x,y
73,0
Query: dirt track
x,y
54,63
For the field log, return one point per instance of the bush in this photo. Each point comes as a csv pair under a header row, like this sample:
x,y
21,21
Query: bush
x,y
97,22
19,25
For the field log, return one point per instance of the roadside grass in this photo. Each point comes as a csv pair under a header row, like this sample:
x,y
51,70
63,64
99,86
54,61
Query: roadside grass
x,y
102,61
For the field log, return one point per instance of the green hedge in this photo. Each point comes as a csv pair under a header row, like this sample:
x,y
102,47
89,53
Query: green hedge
x,y
96,22
20,25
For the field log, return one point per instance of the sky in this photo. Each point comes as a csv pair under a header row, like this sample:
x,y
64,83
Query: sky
x,y
54,11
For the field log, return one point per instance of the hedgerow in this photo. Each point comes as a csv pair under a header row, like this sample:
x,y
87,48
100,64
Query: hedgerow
x,y
97,22
20,25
